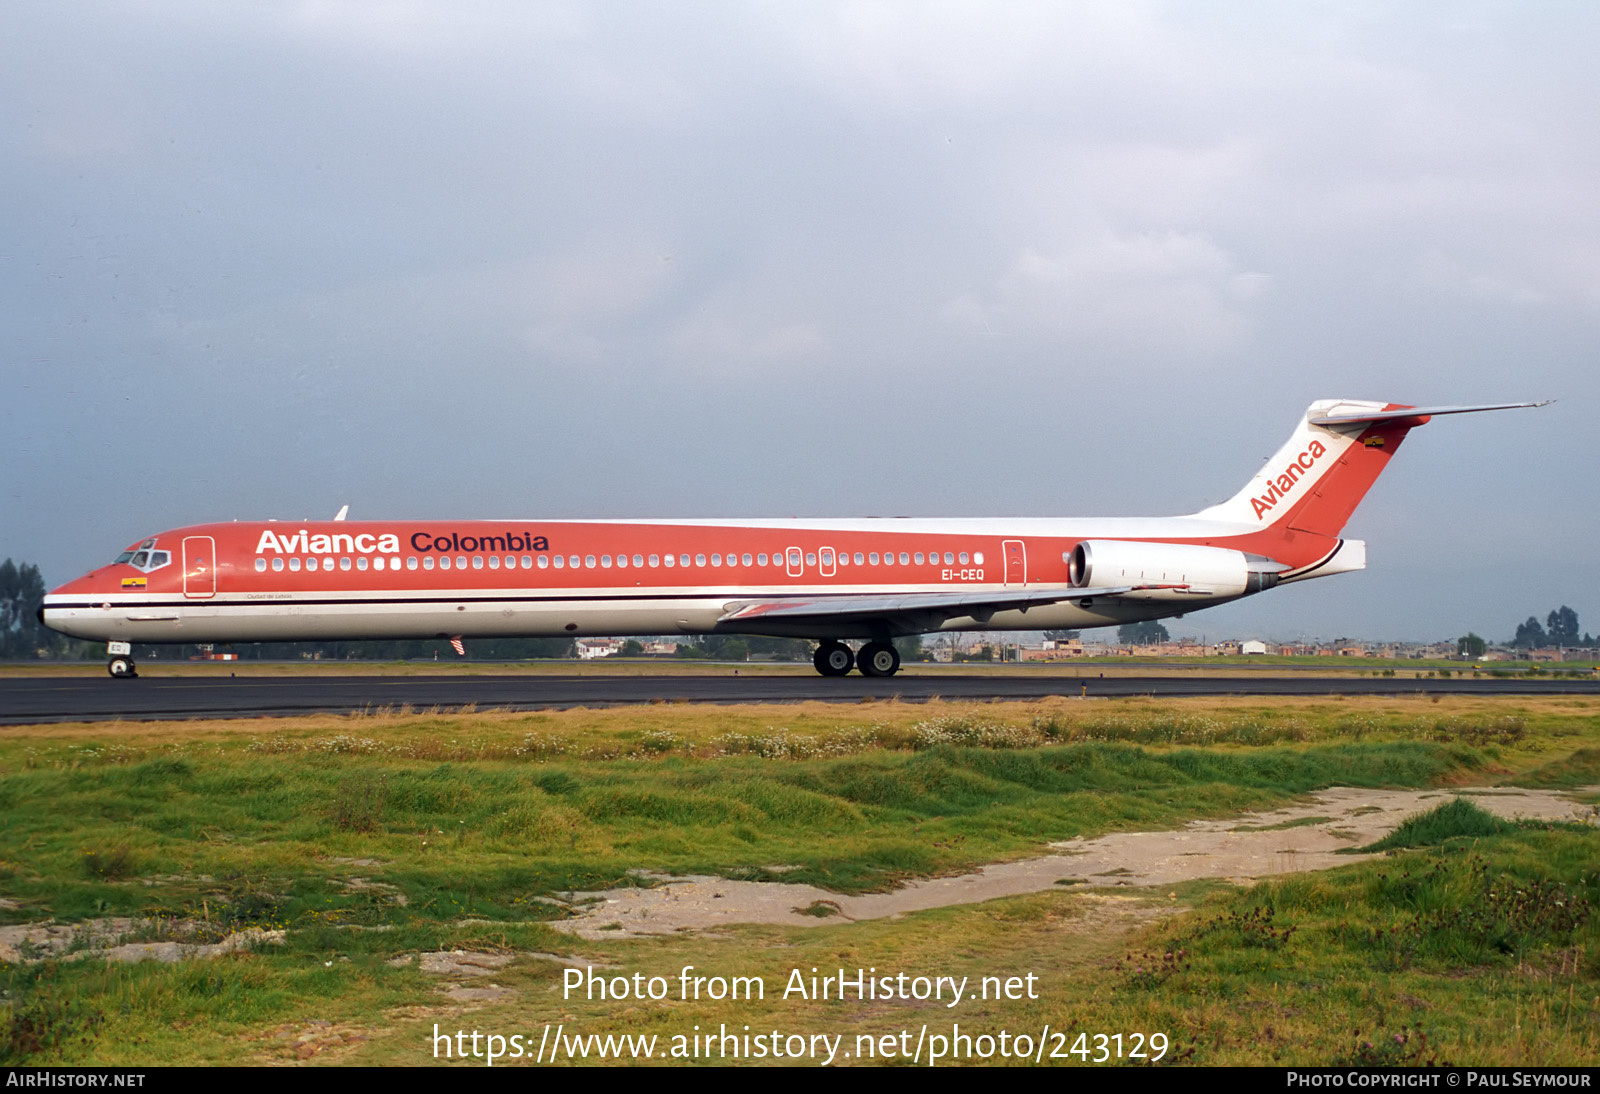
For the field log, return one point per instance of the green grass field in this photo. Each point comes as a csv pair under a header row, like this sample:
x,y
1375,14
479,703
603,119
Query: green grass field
x,y
371,841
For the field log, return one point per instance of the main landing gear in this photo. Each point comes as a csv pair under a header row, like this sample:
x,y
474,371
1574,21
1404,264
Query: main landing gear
x,y
874,659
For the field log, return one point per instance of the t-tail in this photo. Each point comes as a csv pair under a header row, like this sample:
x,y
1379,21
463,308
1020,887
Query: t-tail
x,y
1316,480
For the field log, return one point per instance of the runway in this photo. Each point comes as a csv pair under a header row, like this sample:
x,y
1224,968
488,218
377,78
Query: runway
x,y
30,700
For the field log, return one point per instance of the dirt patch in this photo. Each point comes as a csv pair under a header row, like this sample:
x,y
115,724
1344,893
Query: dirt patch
x,y
1308,836
125,940
298,1041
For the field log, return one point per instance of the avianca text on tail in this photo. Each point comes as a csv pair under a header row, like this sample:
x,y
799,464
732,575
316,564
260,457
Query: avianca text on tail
x,y
831,580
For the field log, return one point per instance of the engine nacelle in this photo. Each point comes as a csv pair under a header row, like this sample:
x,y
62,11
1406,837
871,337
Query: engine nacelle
x,y
1188,571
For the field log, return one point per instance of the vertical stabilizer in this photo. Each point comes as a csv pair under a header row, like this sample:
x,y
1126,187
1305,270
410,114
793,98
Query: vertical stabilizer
x,y
1317,479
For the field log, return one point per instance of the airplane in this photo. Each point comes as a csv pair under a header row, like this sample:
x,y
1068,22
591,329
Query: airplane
x,y
868,579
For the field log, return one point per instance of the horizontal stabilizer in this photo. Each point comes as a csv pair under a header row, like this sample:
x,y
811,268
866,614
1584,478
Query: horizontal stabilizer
x,y
1417,412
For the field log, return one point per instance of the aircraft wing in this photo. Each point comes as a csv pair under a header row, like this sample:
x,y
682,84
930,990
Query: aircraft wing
x,y
911,613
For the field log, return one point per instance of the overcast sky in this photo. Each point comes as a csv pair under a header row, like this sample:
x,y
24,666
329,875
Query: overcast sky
x,y
446,259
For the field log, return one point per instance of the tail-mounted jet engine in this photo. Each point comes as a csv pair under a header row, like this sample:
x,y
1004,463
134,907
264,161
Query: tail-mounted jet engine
x,y
1170,571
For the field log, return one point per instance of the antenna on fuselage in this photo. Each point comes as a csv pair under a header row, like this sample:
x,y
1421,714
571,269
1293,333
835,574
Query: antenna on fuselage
x,y
344,511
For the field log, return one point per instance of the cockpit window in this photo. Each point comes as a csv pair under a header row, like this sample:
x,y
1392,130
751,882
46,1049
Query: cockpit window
x,y
143,558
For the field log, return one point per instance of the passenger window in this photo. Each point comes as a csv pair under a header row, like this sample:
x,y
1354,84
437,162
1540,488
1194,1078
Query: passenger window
x,y
949,559
761,559
977,558
461,562
638,560
671,561
963,558
573,561
811,558
622,562
655,560
277,564
294,565
919,558
411,562
588,560
699,560
261,565
344,562
361,562
494,562
527,561
544,561
561,560
873,558
605,562
860,558
716,560
683,560
444,562
747,559
477,562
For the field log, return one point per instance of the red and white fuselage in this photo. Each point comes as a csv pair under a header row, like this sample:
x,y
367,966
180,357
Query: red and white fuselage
x,y
826,579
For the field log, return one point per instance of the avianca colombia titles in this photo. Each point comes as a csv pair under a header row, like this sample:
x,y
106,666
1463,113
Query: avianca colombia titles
x,y
831,580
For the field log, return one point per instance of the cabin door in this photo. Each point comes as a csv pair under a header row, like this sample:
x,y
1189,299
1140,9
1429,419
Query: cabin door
x,y
199,567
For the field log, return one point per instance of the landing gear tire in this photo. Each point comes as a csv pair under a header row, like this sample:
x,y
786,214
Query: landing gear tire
x,y
833,659
878,659
122,668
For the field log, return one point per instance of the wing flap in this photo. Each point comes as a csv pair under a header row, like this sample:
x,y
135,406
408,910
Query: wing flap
x,y
870,606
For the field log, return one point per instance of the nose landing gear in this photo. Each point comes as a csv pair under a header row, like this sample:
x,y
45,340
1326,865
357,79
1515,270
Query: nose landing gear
x,y
121,666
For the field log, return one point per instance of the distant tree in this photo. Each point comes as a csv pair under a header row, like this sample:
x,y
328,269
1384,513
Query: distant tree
x,y
1147,633
1062,636
1561,626
1530,635
779,649
910,648
21,593
631,648
1470,645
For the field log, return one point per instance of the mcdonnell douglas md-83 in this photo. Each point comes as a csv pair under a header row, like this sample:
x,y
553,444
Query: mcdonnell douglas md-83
x,y
830,580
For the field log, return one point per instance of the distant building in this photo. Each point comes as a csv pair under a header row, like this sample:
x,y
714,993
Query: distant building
x,y
1253,647
1054,650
